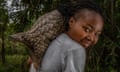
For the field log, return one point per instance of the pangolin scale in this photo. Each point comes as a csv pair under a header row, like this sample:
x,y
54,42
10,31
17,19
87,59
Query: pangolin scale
x,y
43,31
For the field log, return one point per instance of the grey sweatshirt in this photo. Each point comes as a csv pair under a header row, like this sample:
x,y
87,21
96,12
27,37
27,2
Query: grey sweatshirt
x,y
64,55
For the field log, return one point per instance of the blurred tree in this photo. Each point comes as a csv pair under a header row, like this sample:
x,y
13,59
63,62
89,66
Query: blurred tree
x,y
3,24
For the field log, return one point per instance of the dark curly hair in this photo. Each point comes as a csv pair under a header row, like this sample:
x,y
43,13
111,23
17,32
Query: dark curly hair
x,y
69,10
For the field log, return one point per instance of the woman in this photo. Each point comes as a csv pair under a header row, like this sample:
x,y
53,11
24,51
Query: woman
x,y
84,23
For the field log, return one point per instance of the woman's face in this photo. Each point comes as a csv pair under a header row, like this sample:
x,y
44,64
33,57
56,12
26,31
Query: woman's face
x,y
86,28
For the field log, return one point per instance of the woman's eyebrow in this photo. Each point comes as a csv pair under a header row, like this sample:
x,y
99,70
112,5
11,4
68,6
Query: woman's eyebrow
x,y
99,32
90,26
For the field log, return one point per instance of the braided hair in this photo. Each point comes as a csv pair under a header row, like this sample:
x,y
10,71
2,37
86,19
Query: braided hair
x,y
69,10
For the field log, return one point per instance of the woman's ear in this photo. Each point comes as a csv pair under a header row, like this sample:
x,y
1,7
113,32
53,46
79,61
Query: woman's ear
x,y
71,22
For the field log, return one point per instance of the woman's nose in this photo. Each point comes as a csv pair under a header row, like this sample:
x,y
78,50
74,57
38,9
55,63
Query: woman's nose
x,y
91,37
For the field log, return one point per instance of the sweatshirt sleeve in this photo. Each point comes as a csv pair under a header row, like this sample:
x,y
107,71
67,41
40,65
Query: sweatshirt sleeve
x,y
75,60
51,60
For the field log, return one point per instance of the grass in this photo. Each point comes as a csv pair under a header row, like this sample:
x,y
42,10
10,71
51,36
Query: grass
x,y
14,63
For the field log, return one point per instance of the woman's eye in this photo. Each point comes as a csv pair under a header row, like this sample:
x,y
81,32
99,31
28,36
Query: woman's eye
x,y
87,30
97,34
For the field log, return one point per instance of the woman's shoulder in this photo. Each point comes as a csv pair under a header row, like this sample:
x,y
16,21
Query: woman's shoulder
x,y
57,42
66,42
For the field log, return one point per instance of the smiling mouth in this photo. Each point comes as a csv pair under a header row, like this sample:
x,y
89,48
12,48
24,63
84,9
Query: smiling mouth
x,y
85,44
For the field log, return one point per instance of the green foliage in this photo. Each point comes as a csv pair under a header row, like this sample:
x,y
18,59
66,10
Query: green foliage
x,y
13,63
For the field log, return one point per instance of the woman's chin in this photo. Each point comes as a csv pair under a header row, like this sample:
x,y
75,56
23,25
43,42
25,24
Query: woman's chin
x,y
85,45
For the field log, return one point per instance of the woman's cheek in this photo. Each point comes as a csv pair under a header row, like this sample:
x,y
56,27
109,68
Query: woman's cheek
x,y
95,41
80,33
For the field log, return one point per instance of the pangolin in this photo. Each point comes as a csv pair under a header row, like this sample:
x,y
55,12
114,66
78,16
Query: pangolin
x,y
43,31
